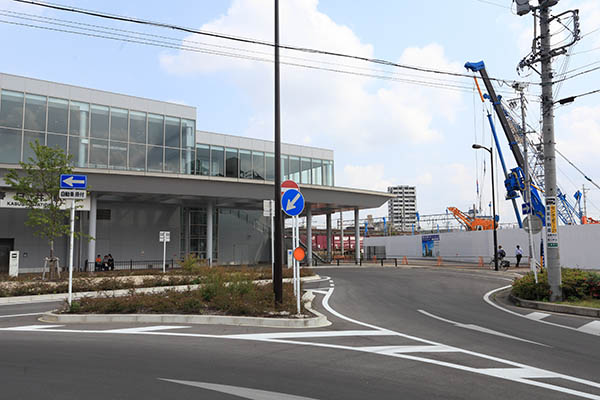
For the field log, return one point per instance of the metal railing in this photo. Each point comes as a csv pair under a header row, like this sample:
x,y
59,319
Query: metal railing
x,y
123,265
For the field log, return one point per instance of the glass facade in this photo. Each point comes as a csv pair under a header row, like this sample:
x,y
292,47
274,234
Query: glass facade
x,y
99,136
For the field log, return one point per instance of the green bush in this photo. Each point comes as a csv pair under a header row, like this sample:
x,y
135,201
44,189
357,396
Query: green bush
x,y
577,284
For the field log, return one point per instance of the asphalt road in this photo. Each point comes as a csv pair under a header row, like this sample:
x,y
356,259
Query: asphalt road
x,y
414,333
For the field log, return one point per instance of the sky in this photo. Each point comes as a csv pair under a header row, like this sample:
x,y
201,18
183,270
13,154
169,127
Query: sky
x,y
383,131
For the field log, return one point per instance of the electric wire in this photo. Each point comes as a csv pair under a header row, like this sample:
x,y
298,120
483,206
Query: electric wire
x,y
99,14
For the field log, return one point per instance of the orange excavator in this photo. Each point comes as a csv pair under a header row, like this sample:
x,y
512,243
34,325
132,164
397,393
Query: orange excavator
x,y
472,223
589,220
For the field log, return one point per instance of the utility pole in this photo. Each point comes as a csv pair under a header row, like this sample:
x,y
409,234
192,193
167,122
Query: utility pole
x,y
277,267
552,250
544,53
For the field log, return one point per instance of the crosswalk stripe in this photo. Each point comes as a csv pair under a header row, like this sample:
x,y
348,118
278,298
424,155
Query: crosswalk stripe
x,y
537,315
592,327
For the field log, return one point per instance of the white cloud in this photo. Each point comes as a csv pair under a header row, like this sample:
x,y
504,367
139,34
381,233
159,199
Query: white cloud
x,y
578,133
371,177
355,112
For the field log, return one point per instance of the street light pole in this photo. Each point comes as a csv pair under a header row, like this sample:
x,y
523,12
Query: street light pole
x,y
495,233
277,267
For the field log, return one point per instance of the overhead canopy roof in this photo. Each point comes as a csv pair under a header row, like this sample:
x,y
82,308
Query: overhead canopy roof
x,y
194,190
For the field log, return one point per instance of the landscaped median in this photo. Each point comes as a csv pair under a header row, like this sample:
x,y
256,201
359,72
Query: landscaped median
x,y
220,295
580,291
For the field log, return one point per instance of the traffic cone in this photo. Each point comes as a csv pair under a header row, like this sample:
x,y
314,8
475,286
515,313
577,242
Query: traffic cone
x,y
480,261
405,261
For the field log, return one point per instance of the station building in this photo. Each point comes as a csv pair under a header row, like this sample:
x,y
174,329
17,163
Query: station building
x,y
151,169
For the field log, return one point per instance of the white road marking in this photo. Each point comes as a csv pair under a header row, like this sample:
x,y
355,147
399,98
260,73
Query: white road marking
x,y
592,327
536,316
31,327
146,329
246,393
480,329
487,299
314,334
20,315
407,349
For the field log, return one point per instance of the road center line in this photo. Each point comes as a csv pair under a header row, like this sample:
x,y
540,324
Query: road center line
x,y
20,315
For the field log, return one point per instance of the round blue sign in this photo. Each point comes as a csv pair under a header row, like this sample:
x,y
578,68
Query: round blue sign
x,y
292,202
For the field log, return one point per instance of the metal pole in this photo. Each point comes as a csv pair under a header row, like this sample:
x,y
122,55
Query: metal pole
x,y
552,252
71,245
494,210
271,215
277,273
164,254
527,192
293,248
342,232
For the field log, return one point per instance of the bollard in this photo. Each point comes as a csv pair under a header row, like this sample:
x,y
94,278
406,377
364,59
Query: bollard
x,y
382,262
338,262
395,262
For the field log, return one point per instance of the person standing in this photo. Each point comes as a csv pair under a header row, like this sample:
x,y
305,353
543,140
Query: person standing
x,y
111,262
519,255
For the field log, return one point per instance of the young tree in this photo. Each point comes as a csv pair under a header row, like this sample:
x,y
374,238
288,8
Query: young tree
x,y
37,187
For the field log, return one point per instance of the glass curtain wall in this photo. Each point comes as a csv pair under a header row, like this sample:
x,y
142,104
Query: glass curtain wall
x,y
231,163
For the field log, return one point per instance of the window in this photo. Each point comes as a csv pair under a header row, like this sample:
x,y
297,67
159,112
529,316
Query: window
x,y
10,150
78,148
35,112
285,167
11,109
187,160
172,132
245,164
231,163
155,155
137,127
118,155
270,166
258,165
103,213
188,134
137,157
58,114
172,160
57,141
295,169
28,139
328,172
305,168
99,122
202,160
118,124
317,172
99,153
217,161
156,129
79,115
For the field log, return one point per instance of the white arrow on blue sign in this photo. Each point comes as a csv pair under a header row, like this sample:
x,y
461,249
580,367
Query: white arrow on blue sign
x,y
526,208
292,202
69,181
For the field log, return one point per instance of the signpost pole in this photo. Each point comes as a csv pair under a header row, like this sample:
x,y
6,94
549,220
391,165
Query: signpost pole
x,y
71,245
293,247
277,273
297,267
164,255
271,217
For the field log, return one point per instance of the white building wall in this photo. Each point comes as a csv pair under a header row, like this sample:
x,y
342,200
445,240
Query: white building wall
x,y
577,245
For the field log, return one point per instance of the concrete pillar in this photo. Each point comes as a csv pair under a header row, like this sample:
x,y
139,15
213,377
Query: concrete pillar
x,y
342,232
83,129
309,242
92,230
356,236
209,232
328,221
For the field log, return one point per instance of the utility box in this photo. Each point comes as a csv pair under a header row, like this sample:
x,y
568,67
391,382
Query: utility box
x,y
290,259
13,263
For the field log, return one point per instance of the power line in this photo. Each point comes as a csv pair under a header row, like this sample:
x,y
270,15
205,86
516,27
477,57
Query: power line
x,y
244,40
571,99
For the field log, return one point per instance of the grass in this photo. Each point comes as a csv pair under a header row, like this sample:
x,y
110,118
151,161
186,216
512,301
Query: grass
x,y
592,303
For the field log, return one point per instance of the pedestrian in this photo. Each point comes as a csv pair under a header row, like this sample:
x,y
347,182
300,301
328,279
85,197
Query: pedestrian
x,y
519,255
501,253
98,263
105,263
111,262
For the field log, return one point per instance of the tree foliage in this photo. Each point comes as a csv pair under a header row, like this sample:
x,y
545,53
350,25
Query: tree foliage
x,y
37,187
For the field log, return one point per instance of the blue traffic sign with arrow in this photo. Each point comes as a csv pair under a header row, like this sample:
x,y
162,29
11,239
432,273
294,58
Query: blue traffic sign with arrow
x,y
292,202
69,181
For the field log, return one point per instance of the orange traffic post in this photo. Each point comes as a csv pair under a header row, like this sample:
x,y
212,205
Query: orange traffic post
x,y
480,261
405,261
439,261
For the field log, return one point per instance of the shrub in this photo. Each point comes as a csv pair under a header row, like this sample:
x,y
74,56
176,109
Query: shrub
x,y
576,285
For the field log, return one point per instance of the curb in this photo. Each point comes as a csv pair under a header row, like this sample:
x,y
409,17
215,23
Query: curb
x,y
558,308
45,298
318,321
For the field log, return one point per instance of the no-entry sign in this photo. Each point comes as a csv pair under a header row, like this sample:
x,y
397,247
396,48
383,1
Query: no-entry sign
x,y
287,185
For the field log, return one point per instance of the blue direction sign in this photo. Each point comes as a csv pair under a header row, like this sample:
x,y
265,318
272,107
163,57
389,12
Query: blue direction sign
x,y
292,202
526,208
68,181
